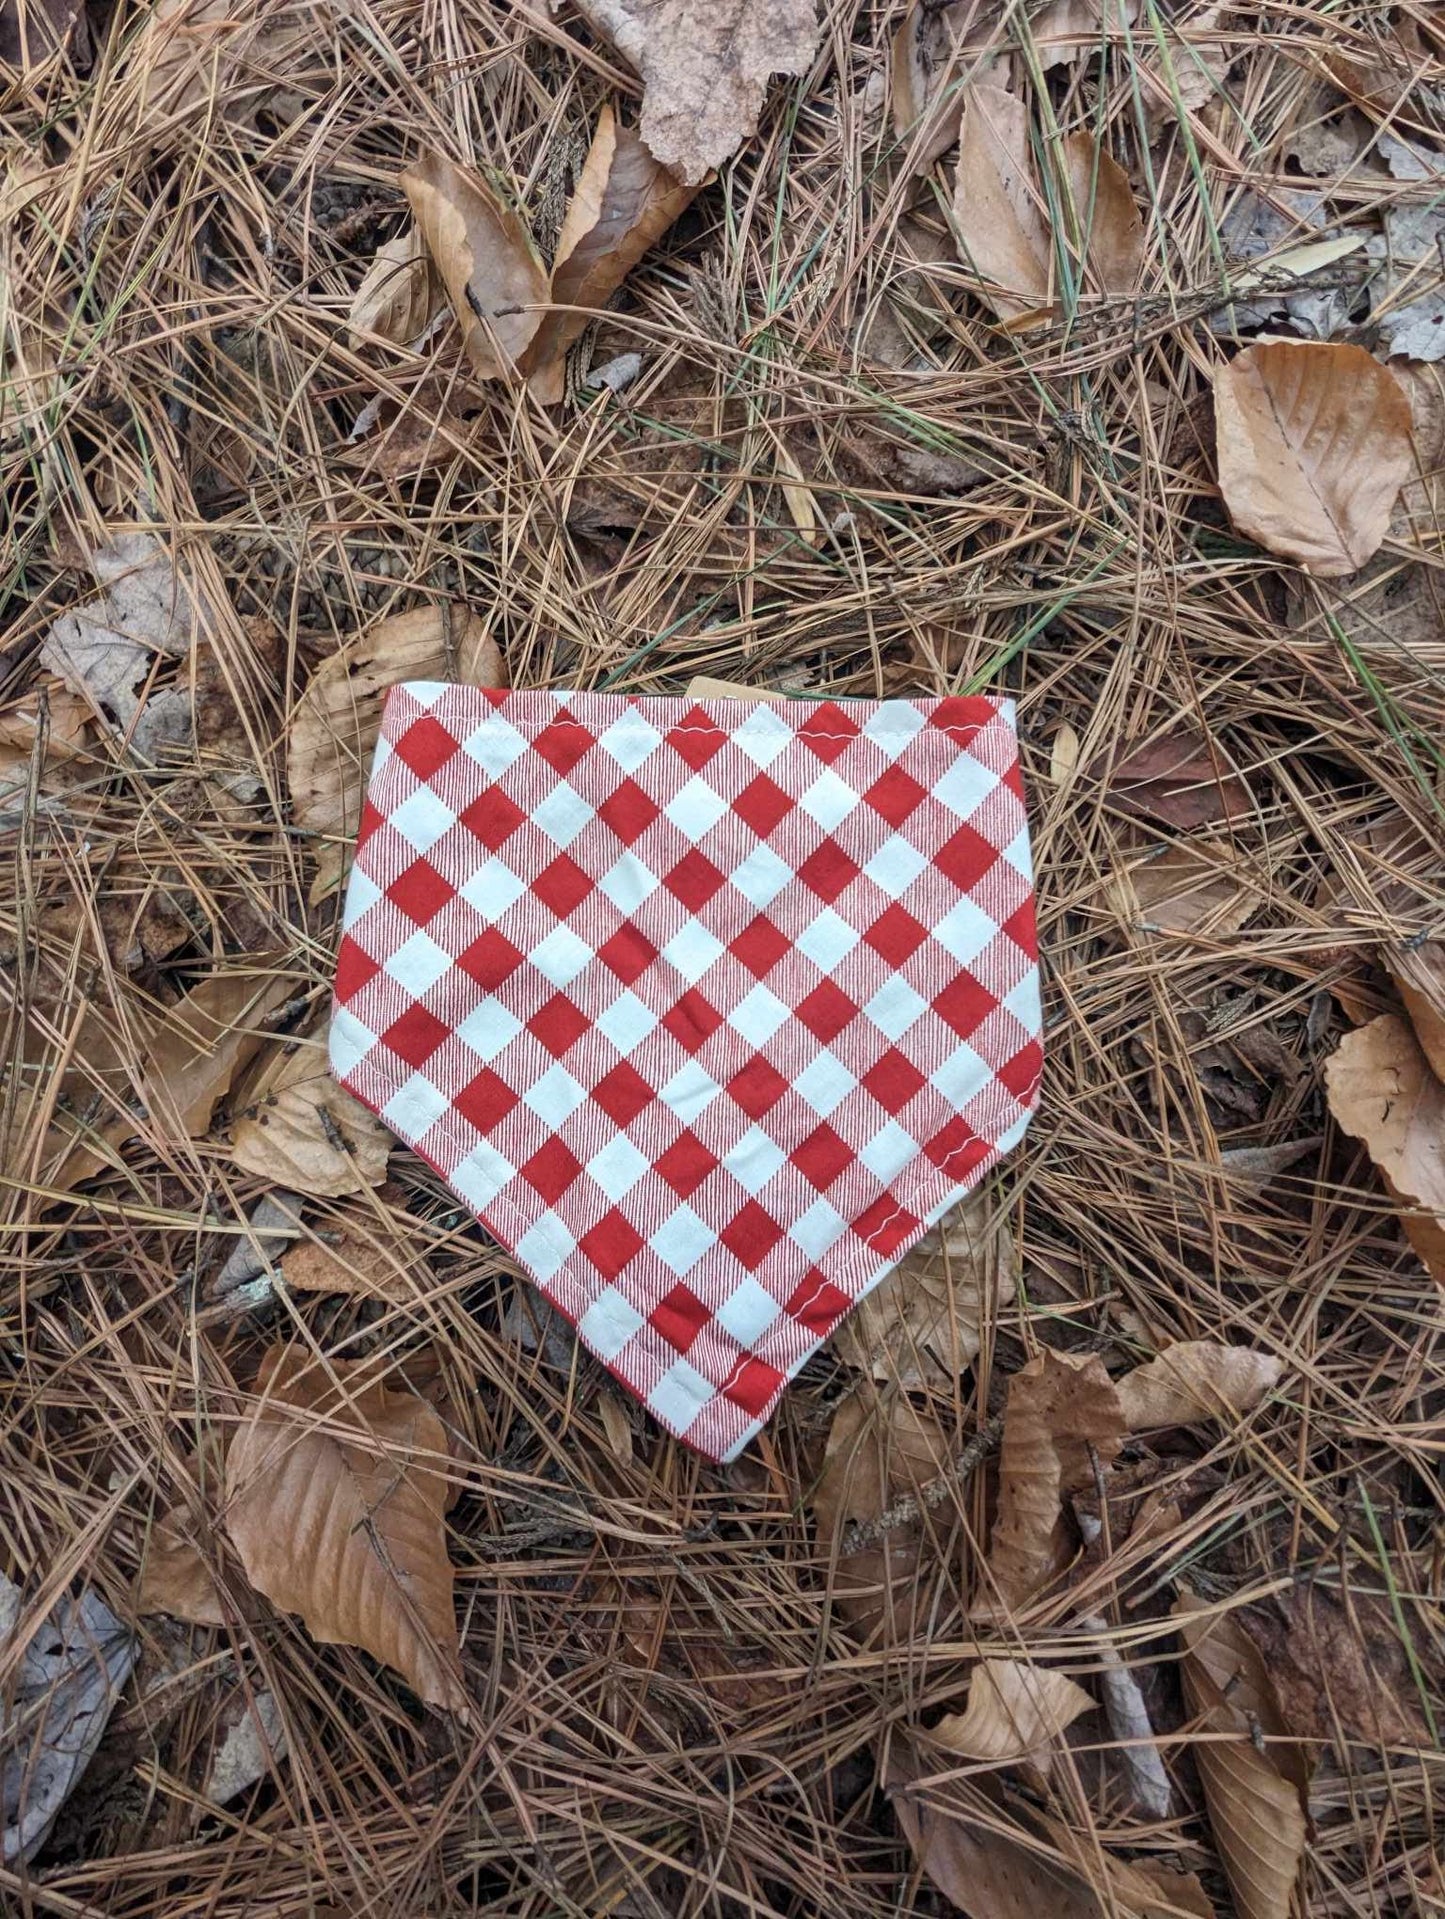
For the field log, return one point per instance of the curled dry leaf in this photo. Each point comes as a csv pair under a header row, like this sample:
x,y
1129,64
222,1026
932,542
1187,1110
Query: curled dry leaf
x,y
103,649
1418,970
1314,446
1182,889
705,70
1256,1794
998,211
1068,30
175,1578
1062,1413
486,260
881,1449
921,1325
301,1129
1381,1090
1196,1379
625,200
934,61
335,1502
1015,1712
399,293
333,730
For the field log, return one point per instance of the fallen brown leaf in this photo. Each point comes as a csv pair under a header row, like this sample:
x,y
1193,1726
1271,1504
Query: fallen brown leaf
x,y
998,210
625,200
705,71
990,1872
485,258
1015,1712
205,1040
399,293
921,1325
881,1448
1062,1414
301,1129
1182,889
1256,1794
1183,779
933,62
1066,30
347,1262
335,1502
1337,1669
1314,446
333,730
1381,1090
1418,970
1196,1379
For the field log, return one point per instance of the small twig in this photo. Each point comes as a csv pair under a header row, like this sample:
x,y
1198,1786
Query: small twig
x,y
1130,1724
913,1505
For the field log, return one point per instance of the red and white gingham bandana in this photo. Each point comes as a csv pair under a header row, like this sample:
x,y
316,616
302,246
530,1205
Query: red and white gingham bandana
x,y
706,1008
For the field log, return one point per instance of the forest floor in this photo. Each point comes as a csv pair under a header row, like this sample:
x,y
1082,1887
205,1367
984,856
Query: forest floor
x,y
841,462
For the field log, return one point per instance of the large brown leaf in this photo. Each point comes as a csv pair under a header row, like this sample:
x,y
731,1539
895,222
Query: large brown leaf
x,y
1182,778
486,260
1061,1415
205,1040
1314,446
335,1497
990,1872
705,70
999,210
1256,1793
625,200
922,1324
333,730
1381,1090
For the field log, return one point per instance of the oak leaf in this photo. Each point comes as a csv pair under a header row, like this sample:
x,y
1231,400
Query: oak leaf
x,y
922,1324
1015,1712
1255,1783
334,728
1196,1379
1061,1416
999,211
705,70
1314,446
625,200
486,260
335,1496
1381,1090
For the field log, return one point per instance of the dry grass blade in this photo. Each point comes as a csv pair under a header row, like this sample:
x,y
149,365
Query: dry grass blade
x,y
335,1501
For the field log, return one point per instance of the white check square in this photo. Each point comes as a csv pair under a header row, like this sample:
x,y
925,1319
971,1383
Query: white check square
x,y
682,1239
627,883
748,1312
415,1107
563,814
423,819
680,1395
824,1083
419,964
561,956
626,1022
829,800
489,1028
495,746
754,1160
895,1007
895,866
692,950
828,940
889,1151
492,889
629,741
762,876
762,735
609,1322
758,1016
697,809
555,1097
618,1167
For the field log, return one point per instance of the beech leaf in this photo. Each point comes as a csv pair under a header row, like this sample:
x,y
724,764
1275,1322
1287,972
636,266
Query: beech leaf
x,y
999,210
1015,1712
335,1500
705,70
1196,1379
348,1261
1418,970
1381,1090
486,260
205,1040
334,728
302,1130
1255,1794
932,70
625,200
1062,1412
1181,778
921,1324
1314,446
399,293
175,1578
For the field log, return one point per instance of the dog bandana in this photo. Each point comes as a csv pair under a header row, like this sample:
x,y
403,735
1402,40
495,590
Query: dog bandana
x,y
706,1008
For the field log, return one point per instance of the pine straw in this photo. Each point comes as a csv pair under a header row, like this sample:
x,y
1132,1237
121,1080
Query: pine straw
x,y
672,1716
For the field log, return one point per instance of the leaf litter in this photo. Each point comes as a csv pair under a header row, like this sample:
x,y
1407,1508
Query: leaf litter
x,y
886,406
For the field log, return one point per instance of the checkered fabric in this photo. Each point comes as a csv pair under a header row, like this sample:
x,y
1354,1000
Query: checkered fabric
x,y
706,1008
